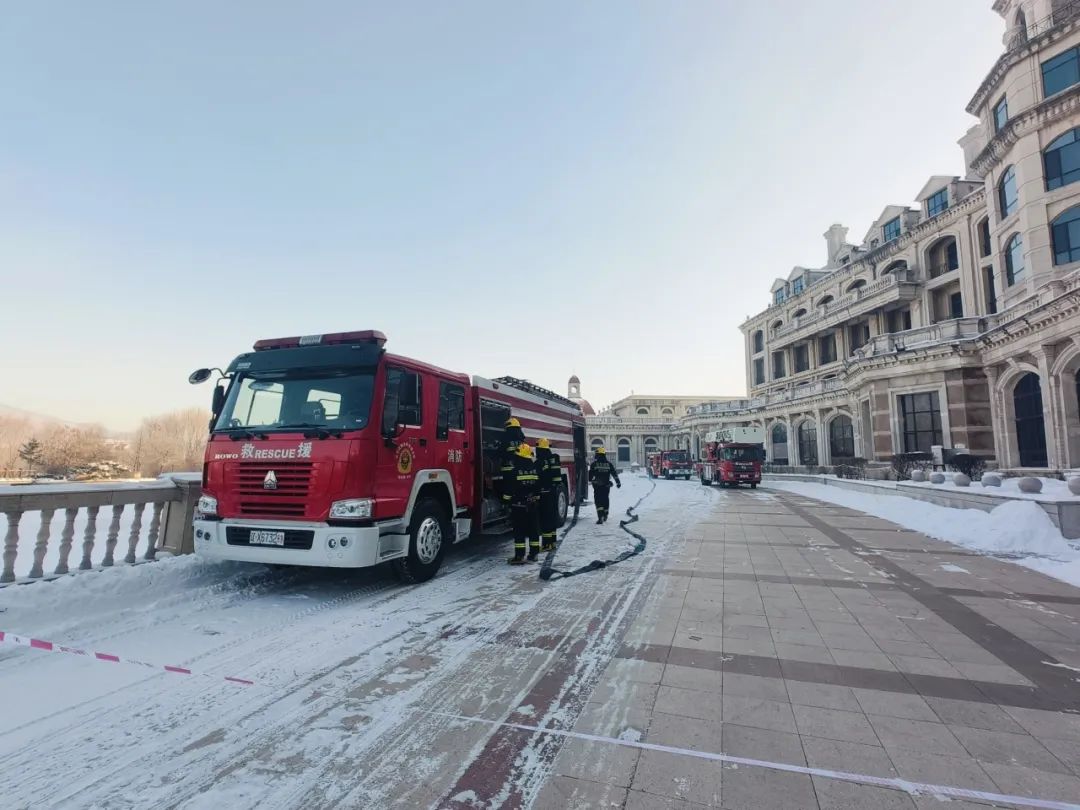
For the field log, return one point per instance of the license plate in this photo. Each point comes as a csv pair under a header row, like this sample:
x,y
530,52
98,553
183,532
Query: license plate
x,y
261,538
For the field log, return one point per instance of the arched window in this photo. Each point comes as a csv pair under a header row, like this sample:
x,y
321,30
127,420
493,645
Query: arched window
x,y
841,438
642,411
779,444
650,444
1061,160
1030,422
799,312
1014,259
759,341
857,284
828,299
776,325
667,412
596,442
808,444
898,266
943,257
1065,232
624,450
1007,194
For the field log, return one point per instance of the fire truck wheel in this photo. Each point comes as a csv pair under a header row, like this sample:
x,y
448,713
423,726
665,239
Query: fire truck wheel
x,y
428,535
704,483
562,501
753,486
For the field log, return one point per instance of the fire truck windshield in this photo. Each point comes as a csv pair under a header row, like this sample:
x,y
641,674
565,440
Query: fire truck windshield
x,y
287,400
680,455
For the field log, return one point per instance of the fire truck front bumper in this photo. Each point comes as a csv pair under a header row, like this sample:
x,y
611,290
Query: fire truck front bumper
x,y
300,543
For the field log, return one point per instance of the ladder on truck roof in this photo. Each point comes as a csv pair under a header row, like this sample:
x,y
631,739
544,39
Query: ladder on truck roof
x,y
536,390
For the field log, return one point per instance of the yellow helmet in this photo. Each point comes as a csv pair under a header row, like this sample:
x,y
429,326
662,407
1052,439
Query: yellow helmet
x,y
544,444
524,450
600,451
512,422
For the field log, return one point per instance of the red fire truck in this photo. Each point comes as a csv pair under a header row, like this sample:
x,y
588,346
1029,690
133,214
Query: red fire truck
x,y
733,456
325,450
670,464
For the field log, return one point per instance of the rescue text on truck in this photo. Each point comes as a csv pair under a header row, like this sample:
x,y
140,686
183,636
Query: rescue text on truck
x,y
326,450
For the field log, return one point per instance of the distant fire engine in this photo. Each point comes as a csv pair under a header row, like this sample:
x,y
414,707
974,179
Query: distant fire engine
x,y
733,456
670,464
326,450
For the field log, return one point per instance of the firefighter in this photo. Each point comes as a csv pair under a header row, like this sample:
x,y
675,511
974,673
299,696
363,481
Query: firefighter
x,y
523,490
601,471
549,468
513,437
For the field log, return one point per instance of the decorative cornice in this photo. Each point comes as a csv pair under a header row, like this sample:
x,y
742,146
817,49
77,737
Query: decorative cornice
x,y
1048,112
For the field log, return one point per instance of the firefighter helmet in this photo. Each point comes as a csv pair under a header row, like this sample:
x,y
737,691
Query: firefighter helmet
x,y
524,450
600,451
512,422
544,444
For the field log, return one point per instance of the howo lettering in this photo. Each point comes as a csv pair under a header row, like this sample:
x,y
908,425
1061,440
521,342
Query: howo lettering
x,y
326,450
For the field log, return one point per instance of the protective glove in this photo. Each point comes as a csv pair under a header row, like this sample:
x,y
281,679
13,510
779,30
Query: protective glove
x,y
618,485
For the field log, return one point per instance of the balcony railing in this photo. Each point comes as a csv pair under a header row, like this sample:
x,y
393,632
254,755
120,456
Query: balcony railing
x,y
866,294
1064,13
923,336
93,520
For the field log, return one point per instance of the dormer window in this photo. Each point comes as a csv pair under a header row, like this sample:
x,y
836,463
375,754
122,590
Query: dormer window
x,y
779,297
1001,114
891,230
797,286
937,202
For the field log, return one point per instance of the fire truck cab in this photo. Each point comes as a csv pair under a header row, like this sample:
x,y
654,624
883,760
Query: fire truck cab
x,y
733,456
670,464
328,451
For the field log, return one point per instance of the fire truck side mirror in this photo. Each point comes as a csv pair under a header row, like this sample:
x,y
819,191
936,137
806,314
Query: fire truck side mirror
x,y
199,376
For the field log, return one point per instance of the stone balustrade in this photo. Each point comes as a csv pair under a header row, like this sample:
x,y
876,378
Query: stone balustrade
x,y
46,522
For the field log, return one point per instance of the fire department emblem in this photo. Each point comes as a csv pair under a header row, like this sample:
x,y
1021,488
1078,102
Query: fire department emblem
x,y
270,482
404,459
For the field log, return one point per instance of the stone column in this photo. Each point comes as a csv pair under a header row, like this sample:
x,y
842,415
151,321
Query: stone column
x,y
1054,425
997,417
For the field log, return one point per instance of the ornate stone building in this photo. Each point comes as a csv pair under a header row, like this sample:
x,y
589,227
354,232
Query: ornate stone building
x,y
637,425
955,322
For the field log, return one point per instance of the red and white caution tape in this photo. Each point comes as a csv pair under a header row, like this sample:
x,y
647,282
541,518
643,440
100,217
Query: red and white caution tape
x,y
49,646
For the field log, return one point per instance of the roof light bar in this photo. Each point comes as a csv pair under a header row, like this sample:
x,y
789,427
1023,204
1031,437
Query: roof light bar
x,y
365,336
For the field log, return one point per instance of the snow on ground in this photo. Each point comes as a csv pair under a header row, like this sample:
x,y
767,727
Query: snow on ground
x,y
1019,530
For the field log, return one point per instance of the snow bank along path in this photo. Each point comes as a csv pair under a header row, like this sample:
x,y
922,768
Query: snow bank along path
x,y
347,667
1016,530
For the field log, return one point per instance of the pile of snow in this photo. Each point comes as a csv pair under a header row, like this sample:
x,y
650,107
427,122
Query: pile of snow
x,y
1018,528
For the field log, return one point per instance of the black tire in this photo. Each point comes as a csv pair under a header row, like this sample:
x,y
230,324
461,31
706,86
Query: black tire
x,y
704,483
418,566
562,501
753,486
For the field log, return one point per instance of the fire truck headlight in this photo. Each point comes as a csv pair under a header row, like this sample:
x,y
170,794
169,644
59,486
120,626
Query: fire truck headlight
x,y
354,509
207,505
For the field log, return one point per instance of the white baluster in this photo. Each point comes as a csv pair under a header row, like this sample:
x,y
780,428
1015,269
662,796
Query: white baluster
x,y
114,531
88,538
136,530
66,536
155,528
11,546
42,544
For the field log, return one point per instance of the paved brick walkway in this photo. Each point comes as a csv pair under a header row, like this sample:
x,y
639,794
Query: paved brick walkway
x,y
796,632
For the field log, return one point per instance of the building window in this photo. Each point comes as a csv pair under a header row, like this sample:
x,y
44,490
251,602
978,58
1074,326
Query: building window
x,y
778,297
808,444
1001,114
944,257
779,444
985,245
1061,160
1007,196
1030,421
891,229
991,290
827,349
624,451
798,285
920,421
1065,231
1014,260
642,411
937,202
1061,72
667,412
956,305
778,369
802,358
759,371
759,341
841,438
858,335
898,320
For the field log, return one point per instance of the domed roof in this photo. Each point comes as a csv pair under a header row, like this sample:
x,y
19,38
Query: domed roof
x,y
586,408
574,380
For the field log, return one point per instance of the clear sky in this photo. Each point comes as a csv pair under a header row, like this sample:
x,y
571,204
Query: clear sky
x,y
607,188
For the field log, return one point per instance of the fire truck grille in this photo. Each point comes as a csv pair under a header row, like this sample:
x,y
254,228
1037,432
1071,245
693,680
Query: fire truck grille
x,y
287,499
294,538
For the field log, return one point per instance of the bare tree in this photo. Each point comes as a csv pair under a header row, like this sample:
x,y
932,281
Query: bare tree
x,y
172,442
